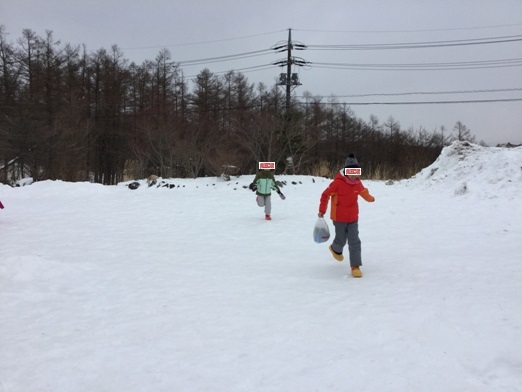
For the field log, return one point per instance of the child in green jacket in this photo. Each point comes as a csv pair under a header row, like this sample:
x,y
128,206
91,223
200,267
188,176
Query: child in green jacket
x,y
263,184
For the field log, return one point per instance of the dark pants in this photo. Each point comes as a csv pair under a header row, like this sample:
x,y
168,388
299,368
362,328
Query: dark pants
x,y
348,232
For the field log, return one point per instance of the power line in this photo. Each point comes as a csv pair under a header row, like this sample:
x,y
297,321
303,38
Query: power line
x,y
225,58
500,63
413,103
256,105
423,93
417,45
203,42
413,45
409,31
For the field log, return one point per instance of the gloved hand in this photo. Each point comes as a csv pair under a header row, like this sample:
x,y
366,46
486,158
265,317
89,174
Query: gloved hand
x,y
366,195
283,197
252,187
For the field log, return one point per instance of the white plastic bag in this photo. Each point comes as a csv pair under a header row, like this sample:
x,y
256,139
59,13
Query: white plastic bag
x,y
321,231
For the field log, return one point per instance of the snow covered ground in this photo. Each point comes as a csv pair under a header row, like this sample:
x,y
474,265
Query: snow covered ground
x,y
188,288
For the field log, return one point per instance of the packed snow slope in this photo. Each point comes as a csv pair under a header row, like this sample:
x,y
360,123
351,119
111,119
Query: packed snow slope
x,y
464,167
185,286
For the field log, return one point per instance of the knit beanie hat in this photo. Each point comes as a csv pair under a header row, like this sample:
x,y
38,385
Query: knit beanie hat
x,y
351,162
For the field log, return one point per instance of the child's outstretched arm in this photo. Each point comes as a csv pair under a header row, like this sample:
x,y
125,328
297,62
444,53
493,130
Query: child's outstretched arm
x,y
365,194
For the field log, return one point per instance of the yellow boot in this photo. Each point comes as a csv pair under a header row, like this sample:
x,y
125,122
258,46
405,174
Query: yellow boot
x,y
356,272
337,256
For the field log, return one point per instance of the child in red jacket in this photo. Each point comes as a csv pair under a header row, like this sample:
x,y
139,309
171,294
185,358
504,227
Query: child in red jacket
x,y
344,212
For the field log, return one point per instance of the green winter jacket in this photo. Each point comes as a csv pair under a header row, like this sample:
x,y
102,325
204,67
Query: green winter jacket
x,y
265,182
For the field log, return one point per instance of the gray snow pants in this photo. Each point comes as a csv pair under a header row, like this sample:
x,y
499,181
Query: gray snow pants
x,y
265,201
348,232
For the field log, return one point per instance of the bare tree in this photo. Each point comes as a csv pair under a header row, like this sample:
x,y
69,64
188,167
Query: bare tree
x,y
392,126
463,133
194,148
261,138
68,149
9,70
154,145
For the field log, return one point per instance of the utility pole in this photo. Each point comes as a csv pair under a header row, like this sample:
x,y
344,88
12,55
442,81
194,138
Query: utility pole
x,y
288,69
289,80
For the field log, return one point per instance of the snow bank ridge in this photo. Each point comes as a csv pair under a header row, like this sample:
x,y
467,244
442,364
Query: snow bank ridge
x,y
467,168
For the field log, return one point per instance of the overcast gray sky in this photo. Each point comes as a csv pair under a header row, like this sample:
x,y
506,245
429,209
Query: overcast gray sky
x,y
200,29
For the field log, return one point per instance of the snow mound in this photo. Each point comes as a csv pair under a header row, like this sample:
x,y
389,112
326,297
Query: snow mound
x,y
465,168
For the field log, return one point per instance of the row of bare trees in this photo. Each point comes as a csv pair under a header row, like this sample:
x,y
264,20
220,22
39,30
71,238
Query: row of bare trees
x,y
77,116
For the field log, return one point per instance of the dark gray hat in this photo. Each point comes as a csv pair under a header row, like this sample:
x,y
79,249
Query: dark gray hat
x,y
351,161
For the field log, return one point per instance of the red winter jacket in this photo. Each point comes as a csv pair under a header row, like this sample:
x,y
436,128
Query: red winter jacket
x,y
344,193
